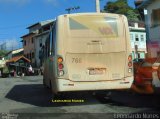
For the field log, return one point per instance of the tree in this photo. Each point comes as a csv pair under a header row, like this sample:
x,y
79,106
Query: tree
x,y
2,53
121,7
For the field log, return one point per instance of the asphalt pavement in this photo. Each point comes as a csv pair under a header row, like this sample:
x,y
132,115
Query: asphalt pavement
x,y
26,97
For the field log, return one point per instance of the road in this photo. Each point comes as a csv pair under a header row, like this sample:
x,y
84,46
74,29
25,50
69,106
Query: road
x,y
26,96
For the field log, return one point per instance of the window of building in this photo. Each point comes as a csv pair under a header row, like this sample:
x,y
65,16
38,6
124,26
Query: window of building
x,y
32,55
136,37
155,17
24,42
131,37
40,31
141,25
28,56
142,37
28,41
46,28
32,40
40,43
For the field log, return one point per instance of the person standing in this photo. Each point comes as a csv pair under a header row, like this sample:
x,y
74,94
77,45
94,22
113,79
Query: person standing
x,y
30,69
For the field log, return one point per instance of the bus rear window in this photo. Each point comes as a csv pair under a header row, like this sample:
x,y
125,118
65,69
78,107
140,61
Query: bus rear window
x,y
93,26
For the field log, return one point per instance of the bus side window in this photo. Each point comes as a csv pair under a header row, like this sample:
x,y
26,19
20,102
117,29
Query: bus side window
x,y
53,40
47,47
50,43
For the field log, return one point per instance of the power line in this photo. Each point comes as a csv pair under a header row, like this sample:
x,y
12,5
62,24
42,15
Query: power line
x,y
12,27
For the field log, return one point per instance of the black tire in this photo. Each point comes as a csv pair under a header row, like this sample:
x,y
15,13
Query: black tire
x,y
44,84
103,96
59,96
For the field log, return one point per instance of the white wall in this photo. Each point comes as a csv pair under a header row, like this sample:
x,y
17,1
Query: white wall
x,y
37,46
141,44
153,30
34,29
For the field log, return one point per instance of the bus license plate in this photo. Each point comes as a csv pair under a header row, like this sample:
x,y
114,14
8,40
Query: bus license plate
x,y
97,71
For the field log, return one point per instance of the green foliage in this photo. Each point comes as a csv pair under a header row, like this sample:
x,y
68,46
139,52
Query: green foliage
x,y
121,7
5,69
131,15
2,53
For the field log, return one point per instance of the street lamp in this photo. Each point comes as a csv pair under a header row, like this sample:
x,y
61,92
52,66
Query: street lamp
x,y
98,6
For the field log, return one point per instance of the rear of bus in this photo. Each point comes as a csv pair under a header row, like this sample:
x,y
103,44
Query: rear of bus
x,y
93,52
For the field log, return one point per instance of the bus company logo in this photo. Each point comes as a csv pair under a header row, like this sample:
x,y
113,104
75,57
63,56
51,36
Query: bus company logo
x,y
106,31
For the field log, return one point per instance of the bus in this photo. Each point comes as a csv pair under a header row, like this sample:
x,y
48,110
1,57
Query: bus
x,y
88,52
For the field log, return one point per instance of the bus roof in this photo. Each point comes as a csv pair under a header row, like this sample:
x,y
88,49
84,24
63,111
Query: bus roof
x,y
91,13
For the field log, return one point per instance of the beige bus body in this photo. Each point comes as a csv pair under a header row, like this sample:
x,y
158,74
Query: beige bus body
x,y
91,51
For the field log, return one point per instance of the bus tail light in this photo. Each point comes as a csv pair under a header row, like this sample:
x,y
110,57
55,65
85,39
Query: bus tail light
x,y
60,60
60,66
130,58
61,73
130,70
130,64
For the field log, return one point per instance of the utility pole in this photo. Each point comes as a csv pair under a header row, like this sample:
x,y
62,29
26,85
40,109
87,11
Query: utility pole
x,y
71,9
97,6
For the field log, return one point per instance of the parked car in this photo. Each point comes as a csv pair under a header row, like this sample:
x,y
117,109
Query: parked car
x,y
143,70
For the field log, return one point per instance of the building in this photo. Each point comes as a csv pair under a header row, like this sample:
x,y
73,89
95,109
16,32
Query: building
x,y
138,39
34,41
152,21
18,64
13,53
14,61
28,46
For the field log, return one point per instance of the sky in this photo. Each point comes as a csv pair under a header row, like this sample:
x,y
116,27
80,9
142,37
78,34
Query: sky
x,y
17,15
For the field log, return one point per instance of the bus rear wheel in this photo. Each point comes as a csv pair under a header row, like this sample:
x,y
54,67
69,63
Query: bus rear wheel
x,y
45,85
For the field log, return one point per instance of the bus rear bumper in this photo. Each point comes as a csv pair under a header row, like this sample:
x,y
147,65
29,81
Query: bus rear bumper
x,y
67,85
